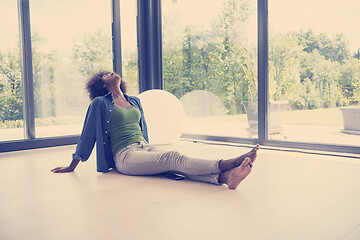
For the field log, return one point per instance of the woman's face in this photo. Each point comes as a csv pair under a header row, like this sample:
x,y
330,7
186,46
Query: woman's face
x,y
111,79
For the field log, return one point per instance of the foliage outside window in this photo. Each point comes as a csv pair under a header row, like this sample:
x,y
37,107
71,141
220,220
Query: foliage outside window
x,y
218,59
309,70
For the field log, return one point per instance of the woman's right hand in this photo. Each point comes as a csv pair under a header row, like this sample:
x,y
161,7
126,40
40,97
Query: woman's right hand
x,y
70,168
62,169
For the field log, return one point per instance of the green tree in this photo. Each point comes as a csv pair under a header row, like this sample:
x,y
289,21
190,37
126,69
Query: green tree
x,y
216,60
10,86
302,75
233,66
130,73
43,78
308,70
349,80
284,65
172,71
93,53
335,49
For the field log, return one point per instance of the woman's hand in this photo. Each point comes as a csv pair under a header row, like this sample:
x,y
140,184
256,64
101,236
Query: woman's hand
x,y
62,169
70,168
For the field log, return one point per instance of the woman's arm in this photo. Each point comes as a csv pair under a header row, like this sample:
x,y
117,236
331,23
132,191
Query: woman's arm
x,y
86,141
69,168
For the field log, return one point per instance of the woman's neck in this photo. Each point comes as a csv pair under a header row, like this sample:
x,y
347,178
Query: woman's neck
x,y
117,93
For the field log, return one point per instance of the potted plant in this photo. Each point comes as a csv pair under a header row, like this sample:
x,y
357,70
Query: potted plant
x,y
275,110
351,120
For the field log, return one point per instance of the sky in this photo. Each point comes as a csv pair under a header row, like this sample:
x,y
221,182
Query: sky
x,y
61,23
328,16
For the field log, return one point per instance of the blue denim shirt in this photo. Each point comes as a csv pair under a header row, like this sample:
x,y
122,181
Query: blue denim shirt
x,y
96,129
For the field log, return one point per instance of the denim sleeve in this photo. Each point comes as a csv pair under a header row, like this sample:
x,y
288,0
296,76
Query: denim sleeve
x,y
143,124
88,135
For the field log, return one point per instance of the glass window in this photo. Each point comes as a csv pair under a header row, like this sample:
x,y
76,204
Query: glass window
x,y
128,13
70,41
210,64
314,71
11,113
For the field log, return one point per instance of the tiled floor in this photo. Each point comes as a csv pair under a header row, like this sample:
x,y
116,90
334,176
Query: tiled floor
x,y
287,196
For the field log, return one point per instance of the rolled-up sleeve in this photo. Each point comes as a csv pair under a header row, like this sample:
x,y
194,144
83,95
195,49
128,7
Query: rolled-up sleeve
x,y
87,138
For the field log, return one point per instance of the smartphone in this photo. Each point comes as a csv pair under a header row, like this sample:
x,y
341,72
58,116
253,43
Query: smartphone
x,y
175,176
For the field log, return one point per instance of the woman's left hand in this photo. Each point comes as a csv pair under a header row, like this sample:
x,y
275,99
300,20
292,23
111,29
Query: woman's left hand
x,y
62,169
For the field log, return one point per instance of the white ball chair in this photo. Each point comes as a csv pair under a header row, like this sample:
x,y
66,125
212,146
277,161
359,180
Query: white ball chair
x,y
164,115
202,103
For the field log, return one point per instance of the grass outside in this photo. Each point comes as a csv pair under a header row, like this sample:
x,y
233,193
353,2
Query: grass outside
x,y
318,117
49,121
322,117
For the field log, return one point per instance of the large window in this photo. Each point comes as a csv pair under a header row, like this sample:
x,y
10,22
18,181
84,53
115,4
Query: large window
x,y
314,71
210,63
11,105
128,12
70,41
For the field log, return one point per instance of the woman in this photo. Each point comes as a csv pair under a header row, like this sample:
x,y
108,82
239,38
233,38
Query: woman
x,y
115,121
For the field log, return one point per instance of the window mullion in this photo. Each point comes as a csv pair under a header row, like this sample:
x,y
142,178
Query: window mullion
x,y
26,69
150,44
116,37
263,77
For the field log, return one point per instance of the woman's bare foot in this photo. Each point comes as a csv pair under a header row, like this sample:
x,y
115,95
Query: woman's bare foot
x,y
234,177
228,164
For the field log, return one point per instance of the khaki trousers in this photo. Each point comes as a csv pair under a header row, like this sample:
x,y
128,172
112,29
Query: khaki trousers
x,y
141,158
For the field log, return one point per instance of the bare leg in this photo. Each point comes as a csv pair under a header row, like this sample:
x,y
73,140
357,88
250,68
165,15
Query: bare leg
x,y
235,176
229,164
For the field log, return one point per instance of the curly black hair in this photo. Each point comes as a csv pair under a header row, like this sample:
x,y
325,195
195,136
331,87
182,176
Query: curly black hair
x,y
95,85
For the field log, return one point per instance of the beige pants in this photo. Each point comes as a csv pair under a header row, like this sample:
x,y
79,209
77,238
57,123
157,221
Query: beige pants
x,y
141,158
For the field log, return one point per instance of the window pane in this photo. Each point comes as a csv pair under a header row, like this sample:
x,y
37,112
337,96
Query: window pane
x,y
70,41
11,113
315,71
210,64
128,13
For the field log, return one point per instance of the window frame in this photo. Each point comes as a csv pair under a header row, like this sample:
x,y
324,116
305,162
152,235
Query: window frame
x,y
263,93
30,141
150,77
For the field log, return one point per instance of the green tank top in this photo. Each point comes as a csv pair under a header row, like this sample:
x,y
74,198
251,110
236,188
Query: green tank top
x,y
124,128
